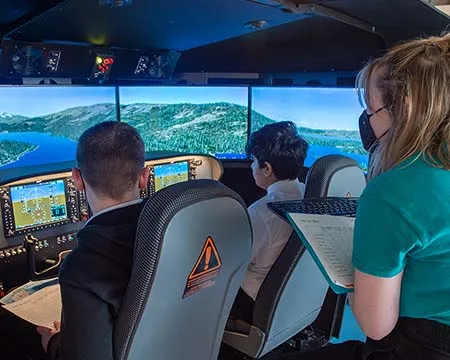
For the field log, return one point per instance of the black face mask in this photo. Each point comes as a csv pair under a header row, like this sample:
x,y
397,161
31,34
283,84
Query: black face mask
x,y
368,137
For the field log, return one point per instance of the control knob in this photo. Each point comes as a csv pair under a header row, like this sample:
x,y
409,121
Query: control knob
x,y
84,215
30,241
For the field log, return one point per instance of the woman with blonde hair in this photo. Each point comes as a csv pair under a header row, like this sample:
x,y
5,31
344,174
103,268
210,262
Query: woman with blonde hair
x,y
401,249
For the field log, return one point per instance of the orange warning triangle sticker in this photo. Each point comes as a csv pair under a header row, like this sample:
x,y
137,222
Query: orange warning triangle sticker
x,y
208,262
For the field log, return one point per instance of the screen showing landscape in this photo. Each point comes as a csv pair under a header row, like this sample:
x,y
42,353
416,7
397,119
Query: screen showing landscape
x,y
42,124
204,120
37,204
169,174
326,117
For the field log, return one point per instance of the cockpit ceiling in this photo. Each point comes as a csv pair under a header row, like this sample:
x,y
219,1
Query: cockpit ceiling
x,y
319,43
303,46
150,24
213,34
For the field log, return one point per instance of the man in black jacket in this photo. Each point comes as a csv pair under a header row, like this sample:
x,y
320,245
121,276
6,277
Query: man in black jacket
x,y
94,277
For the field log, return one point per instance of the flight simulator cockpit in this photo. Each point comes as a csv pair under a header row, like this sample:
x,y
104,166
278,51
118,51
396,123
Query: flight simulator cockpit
x,y
195,80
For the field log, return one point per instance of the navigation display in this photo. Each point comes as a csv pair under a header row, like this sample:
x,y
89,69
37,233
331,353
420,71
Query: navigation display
x,y
326,117
169,174
188,119
42,124
39,203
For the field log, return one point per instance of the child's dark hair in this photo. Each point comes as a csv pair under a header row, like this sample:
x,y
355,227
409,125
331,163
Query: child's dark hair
x,y
281,146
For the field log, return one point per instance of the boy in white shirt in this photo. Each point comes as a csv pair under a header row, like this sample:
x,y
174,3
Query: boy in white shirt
x,y
277,152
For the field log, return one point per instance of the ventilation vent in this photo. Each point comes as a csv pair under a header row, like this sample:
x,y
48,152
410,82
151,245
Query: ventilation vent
x,y
27,61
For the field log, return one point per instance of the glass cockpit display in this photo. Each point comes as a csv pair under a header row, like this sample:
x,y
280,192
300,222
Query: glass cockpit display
x,y
39,203
42,124
326,117
169,174
189,119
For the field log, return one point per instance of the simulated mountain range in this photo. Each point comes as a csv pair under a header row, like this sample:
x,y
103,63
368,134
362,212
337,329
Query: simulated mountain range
x,y
198,128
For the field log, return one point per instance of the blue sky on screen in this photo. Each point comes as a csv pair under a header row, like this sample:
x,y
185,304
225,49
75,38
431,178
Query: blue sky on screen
x,y
39,101
183,94
37,190
317,108
171,169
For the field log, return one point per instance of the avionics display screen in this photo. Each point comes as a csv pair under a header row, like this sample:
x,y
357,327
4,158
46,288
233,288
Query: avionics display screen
x,y
189,119
42,124
169,174
326,117
39,203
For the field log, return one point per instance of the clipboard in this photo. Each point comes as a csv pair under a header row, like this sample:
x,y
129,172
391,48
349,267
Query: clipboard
x,y
329,240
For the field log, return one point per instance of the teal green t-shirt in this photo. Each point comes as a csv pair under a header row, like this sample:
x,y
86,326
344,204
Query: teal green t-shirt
x,y
403,223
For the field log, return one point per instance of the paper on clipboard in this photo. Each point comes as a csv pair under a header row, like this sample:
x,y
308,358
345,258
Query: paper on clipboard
x,y
330,238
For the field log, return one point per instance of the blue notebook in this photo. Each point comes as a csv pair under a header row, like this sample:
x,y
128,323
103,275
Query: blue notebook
x,y
329,240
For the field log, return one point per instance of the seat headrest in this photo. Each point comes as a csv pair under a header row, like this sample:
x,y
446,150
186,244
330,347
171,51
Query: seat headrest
x,y
335,175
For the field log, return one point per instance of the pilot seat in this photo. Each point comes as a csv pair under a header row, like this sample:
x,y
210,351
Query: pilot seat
x,y
291,297
193,245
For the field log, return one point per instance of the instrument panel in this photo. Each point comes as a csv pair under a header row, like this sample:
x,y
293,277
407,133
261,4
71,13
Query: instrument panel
x,y
37,204
42,214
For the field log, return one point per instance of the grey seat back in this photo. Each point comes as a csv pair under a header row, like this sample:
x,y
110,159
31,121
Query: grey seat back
x,y
290,299
292,295
335,175
340,176
193,245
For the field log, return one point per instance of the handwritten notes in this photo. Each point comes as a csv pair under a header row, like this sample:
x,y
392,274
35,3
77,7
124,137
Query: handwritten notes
x,y
331,240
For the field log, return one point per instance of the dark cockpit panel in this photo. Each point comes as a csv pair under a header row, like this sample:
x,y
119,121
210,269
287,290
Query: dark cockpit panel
x,y
147,24
256,36
321,42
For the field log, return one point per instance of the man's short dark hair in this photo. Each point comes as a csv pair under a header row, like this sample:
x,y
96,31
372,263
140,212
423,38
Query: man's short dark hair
x,y
281,146
110,156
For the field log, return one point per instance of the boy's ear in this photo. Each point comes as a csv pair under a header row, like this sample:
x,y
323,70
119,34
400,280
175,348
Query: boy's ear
x,y
268,170
143,178
77,179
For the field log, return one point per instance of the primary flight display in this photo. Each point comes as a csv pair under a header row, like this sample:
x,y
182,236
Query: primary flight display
x,y
39,204
169,174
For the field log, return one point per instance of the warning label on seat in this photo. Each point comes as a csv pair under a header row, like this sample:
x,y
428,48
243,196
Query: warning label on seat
x,y
205,270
